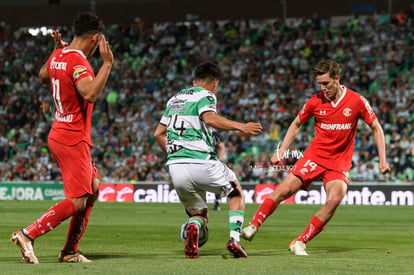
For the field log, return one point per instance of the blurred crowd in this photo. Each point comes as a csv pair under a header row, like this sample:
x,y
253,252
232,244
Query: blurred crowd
x,y
266,65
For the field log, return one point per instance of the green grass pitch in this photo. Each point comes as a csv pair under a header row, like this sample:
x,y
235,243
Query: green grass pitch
x,y
142,238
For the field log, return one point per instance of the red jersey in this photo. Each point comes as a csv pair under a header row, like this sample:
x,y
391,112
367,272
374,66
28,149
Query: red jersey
x,y
73,115
335,126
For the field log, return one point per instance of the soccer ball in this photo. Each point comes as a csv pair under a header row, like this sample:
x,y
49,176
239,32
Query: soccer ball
x,y
202,238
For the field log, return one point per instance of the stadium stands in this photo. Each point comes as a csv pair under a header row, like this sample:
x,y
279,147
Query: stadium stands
x,y
266,77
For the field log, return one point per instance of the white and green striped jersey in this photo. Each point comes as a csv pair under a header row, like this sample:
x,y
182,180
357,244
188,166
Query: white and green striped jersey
x,y
189,139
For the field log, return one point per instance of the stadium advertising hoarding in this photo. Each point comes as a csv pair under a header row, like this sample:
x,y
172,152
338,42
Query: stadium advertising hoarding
x,y
31,191
358,194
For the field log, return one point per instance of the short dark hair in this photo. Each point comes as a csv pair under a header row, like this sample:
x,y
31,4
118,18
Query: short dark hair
x,y
207,70
87,23
326,66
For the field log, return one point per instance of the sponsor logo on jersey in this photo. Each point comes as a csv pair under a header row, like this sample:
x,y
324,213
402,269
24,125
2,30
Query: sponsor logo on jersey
x,y
177,103
336,126
54,65
322,112
78,71
347,112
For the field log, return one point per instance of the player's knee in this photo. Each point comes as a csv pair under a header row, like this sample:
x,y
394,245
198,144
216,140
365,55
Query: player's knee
x,y
333,203
80,203
237,191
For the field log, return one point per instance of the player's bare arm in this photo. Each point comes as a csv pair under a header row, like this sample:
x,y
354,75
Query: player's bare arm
x,y
291,134
44,75
378,134
221,151
90,88
161,137
214,120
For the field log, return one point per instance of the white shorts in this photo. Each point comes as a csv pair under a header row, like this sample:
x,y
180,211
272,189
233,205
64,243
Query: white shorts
x,y
192,180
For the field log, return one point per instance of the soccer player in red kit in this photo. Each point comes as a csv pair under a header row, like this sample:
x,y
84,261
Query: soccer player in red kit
x,y
75,89
336,111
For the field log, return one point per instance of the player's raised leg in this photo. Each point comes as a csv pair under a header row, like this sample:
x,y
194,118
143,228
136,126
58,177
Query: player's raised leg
x,y
289,186
314,227
335,192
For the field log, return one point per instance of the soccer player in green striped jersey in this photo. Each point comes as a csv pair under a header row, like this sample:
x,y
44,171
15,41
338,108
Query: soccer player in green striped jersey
x,y
185,134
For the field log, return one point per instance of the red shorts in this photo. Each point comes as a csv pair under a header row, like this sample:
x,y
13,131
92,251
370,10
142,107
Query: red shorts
x,y
309,171
76,166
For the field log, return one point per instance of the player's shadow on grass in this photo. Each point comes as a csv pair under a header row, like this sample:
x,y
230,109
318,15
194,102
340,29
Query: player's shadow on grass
x,y
274,252
225,254
219,252
52,259
323,250
101,256
339,249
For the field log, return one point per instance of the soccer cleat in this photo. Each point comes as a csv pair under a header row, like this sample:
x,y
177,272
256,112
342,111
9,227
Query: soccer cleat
x,y
191,243
26,246
72,257
248,232
298,247
235,248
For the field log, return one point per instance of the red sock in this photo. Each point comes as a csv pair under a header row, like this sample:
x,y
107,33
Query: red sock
x,y
52,218
315,226
76,229
265,210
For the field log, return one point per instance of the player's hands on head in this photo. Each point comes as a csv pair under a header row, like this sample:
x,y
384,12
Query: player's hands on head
x,y
252,128
57,37
105,51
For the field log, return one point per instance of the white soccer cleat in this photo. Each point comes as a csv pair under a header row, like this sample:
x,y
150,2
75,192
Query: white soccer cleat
x,y
72,257
248,232
25,245
298,247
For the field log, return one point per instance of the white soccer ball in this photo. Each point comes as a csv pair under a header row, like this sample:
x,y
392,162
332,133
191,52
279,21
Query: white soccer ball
x,y
202,238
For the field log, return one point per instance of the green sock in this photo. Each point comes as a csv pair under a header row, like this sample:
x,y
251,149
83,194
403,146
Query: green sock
x,y
236,219
197,221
